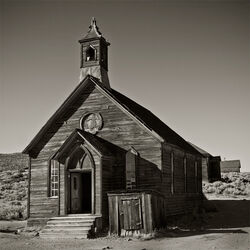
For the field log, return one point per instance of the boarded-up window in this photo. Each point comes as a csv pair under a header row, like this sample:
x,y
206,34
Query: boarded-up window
x,y
172,172
185,173
131,156
53,185
199,177
191,183
131,210
196,176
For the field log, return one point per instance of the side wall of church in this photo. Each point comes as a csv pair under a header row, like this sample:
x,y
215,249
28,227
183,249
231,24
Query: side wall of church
x,y
182,188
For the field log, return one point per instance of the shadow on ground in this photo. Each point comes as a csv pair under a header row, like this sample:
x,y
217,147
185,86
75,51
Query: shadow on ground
x,y
228,213
175,233
218,216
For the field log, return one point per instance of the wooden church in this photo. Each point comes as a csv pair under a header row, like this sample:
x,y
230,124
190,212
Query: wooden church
x,y
104,161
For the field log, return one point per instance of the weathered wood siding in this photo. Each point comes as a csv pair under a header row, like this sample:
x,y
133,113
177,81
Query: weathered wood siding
x,y
181,199
41,207
205,162
107,185
179,171
118,129
130,213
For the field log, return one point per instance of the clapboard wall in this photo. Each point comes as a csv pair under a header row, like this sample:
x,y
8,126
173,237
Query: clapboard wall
x,y
183,180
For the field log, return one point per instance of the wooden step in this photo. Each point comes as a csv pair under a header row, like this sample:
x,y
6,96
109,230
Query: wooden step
x,y
74,226
69,224
71,221
62,236
71,217
67,230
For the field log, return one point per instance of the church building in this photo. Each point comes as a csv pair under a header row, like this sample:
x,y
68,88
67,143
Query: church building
x,y
104,161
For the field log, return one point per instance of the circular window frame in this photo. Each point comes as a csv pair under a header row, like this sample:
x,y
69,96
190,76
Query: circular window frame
x,y
96,130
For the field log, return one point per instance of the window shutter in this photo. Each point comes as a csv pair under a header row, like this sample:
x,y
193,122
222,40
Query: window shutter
x,y
131,168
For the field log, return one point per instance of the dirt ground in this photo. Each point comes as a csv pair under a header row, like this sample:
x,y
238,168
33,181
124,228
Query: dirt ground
x,y
228,228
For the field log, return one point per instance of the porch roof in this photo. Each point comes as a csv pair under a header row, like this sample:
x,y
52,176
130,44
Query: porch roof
x,y
77,138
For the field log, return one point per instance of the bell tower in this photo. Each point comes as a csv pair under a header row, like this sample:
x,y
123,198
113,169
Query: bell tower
x,y
94,55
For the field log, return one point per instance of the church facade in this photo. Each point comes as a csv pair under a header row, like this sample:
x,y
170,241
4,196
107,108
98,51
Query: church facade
x,y
99,143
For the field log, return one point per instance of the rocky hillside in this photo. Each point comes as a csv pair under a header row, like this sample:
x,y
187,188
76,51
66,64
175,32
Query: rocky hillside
x,y
13,185
15,161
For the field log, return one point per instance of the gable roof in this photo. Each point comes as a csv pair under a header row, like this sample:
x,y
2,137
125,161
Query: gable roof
x,y
76,138
140,114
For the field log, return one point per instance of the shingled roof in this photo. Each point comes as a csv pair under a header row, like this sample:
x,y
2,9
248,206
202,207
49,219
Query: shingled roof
x,y
152,123
202,151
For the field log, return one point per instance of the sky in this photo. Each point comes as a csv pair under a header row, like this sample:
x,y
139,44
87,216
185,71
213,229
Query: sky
x,y
186,61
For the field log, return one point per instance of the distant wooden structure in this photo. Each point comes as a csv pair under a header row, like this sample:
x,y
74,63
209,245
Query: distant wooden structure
x,y
211,170
102,153
230,166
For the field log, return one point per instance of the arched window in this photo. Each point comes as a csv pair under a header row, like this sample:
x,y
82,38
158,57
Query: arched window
x,y
90,54
75,160
53,176
79,159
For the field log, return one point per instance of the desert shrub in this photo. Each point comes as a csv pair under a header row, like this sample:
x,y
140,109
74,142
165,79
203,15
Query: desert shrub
x,y
12,212
231,184
16,203
221,188
7,186
17,175
8,172
210,189
217,184
229,191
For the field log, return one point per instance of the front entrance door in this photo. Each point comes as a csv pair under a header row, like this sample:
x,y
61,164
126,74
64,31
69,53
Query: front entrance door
x,y
80,186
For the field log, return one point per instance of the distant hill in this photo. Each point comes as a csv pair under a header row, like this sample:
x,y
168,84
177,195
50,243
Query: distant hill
x,y
13,186
13,161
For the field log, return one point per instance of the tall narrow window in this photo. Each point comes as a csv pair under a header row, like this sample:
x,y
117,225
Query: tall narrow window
x,y
196,176
90,54
172,172
131,156
54,178
185,173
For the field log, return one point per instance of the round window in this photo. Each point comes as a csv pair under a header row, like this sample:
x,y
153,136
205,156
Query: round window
x,y
91,123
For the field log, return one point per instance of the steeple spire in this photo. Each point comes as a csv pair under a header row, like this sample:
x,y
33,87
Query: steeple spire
x,y
93,30
94,54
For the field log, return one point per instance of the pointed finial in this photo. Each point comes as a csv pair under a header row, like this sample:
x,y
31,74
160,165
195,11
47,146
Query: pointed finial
x,y
93,30
93,22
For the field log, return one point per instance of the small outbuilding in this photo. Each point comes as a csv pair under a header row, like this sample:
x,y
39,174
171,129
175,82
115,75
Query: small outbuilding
x,y
230,166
